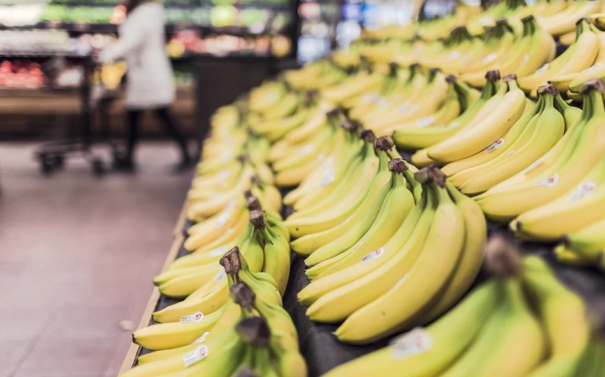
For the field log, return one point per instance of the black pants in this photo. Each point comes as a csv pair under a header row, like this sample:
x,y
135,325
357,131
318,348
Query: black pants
x,y
169,124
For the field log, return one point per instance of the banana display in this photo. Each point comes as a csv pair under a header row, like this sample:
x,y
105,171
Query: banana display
x,y
378,275
520,322
308,163
247,330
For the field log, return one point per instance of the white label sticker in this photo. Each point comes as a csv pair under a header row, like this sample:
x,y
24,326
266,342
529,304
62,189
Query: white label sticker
x,y
454,54
196,355
192,318
585,188
497,144
533,166
413,109
326,164
551,181
328,177
542,69
222,220
226,156
230,205
486,21
202,338
425,122
373,255
224,174
403,107
219,251
490,57
412,343
306,150
221,274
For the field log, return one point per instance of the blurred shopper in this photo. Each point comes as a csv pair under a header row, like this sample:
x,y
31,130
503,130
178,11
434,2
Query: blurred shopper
x,y
150,83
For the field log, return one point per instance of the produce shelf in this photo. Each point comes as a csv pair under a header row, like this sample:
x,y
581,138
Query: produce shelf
x,y
320,347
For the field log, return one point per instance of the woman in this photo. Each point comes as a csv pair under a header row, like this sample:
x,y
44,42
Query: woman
x,y
150,84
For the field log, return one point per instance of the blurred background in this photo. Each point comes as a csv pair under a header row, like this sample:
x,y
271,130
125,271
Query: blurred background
x,y
80,240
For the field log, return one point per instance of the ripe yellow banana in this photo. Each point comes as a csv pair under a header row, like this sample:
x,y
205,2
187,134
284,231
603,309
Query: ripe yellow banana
x,y
439,255
474,139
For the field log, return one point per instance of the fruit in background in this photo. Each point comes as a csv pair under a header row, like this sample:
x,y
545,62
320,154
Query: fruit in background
x,y
223,15
175,48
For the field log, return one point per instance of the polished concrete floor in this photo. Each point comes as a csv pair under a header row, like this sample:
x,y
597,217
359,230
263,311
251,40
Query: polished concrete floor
x,y
77,255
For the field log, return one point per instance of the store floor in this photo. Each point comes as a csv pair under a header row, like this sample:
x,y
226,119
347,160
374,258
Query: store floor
x,y
77,255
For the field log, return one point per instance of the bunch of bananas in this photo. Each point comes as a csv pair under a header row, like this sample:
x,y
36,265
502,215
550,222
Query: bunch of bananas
x,y
558,193
521,322
404,226
249,331
531,136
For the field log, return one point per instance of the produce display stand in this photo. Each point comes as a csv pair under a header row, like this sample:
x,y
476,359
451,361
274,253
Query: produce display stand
x,y
319,346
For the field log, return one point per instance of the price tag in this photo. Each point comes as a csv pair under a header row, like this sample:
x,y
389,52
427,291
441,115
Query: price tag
x,y
497,144
219,251
551,181
192,318
543,68
196,355
328,177
306,150
222,220
425,122
533,166
412,343
490,58
584,189
373,255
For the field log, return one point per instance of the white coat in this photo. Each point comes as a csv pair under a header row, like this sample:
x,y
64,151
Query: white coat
x,y
142,45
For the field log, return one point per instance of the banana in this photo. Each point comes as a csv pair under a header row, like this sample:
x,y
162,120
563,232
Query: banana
x,y
337,296
449,110
482,135
212,297
564,316
178,334
341,204
459,172
574,210
334,167
563,22
370,209
216,353
316,241
548,130
440,255
578,57
422,137
276,252
425,102
392,214
577,155
472,256
285,107
427,352
589,243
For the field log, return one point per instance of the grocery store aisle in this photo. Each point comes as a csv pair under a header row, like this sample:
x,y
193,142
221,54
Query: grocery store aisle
x,y
77,255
